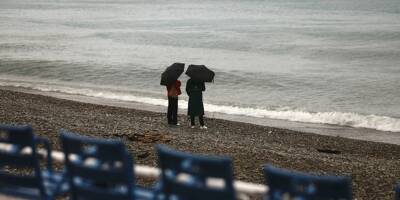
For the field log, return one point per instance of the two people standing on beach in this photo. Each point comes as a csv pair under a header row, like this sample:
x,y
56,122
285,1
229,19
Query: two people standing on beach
x,y
194,88
195,106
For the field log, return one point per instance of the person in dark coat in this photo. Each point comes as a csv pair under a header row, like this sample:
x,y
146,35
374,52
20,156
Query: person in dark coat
x,y
173,91
195,106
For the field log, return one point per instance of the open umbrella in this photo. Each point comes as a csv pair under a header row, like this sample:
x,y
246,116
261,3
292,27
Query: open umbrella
x,y
172,73
200,73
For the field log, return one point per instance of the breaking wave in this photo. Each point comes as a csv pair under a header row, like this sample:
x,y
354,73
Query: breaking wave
x,y
382,123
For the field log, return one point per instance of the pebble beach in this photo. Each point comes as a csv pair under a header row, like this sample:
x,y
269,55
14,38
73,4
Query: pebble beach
x,y
373,167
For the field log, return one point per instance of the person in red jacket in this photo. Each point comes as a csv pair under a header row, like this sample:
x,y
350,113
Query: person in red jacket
x,y
173,91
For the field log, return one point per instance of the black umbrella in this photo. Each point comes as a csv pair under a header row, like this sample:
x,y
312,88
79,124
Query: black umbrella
x,y
172,73
200,73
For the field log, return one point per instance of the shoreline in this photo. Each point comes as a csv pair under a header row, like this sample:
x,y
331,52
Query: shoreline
x,y
372,166
364,134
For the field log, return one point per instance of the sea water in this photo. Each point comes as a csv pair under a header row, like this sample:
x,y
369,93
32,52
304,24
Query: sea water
x,y
315,61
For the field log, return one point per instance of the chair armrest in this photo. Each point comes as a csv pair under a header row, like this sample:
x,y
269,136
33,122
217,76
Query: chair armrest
x,y
47,145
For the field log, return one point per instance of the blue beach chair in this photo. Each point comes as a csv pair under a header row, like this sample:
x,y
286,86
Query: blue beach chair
x,y
20,173
397,192
284,183
196,170
99,169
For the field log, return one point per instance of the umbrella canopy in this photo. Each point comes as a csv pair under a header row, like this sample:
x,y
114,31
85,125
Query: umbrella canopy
x,y
172,73
200,73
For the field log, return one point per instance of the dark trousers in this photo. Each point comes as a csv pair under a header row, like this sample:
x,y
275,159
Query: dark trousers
x,y
201,120
172,114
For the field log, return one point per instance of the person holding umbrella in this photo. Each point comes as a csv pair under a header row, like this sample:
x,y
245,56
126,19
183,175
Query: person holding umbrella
x,y
194,88
169,78
173,91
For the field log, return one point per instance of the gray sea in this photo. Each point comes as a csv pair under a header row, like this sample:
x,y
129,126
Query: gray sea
x,y
315,61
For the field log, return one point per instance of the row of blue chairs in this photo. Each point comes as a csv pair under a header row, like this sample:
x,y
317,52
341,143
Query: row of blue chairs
x,y
102,169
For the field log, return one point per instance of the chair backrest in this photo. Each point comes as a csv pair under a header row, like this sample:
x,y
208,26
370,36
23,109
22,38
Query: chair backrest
x,y
97,168
16,139
397,192
283,183
197,171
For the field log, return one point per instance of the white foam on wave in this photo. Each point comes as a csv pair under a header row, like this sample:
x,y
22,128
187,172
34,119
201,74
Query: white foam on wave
x,y
382,123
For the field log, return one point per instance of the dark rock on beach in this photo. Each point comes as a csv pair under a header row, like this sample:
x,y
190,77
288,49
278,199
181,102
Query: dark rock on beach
x,y
373,167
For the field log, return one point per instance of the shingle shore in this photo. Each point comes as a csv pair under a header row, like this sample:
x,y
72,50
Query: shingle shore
x,y
374,167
